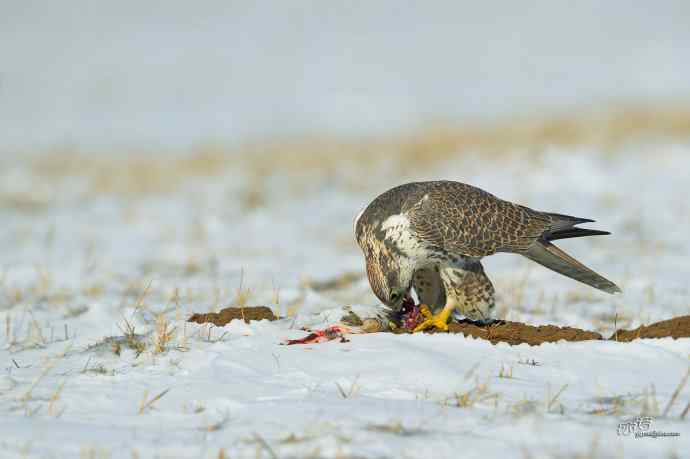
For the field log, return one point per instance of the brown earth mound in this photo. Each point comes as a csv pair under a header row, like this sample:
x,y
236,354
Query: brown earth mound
x,y
678,327
498,332
519,333
226,315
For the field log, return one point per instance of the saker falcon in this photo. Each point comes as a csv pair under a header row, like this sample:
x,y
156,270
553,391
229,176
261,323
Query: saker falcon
x,y
431,236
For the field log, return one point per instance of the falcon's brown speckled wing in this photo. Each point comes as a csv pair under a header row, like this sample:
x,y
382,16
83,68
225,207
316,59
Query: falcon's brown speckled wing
x,y
464,220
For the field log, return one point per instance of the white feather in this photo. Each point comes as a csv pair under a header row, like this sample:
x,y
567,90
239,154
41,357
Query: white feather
x,y
397,221
397,229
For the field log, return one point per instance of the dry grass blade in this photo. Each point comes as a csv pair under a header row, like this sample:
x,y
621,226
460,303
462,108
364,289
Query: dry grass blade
x,y
685,411
554,399
127,329
343,394
215,426
469,373
8,331
36,332
147,404
348,394
680,387
140,300
54,398
86,365
264,444
340,389
28,394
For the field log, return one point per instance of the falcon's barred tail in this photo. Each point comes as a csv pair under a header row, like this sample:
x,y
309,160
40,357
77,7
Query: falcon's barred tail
x,y
547,254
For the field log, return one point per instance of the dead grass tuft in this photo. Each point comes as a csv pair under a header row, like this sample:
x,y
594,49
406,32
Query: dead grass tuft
x,y
506,372
132,339
467,399
163,334
242,294
643,404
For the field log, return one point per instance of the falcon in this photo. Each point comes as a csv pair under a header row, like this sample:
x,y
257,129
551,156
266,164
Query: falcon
x,y
430,237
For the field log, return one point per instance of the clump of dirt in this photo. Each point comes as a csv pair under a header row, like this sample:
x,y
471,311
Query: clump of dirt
x,y
225,316
678,327
498,332
519,333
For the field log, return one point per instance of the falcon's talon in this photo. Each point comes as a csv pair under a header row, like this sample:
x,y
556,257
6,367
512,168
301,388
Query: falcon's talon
x,y
439,321
424,310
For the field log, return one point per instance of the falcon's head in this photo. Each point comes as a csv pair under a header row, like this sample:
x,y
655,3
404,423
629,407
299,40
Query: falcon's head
x,y
390,274
389,279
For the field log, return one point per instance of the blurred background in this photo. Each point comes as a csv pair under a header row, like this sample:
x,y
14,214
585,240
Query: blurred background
x,y
217,146
163,76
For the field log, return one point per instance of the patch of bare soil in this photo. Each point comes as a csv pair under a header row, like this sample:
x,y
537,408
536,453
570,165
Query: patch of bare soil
x,y
678,327
519,333
498,332
225,316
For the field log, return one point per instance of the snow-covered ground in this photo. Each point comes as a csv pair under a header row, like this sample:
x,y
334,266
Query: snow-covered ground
x,y
77,266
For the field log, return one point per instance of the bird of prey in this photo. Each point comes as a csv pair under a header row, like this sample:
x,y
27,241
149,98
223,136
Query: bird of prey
x,y
431,236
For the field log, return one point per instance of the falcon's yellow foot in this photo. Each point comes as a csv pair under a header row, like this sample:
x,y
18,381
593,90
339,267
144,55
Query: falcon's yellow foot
x,y
439,321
